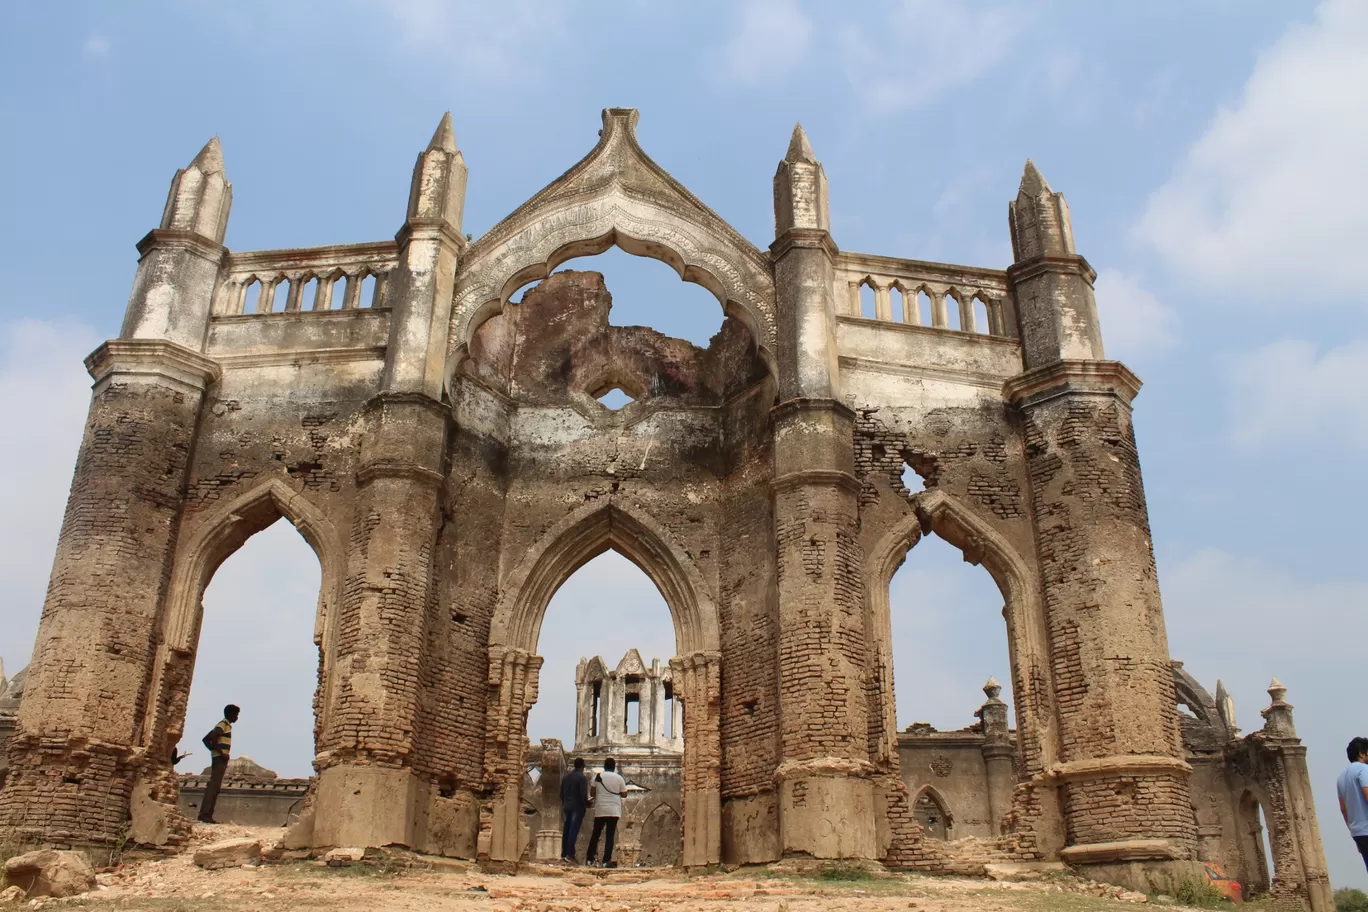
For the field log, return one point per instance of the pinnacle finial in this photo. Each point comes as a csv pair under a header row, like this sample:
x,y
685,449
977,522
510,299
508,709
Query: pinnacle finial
x,y
210,158
1032,183
992,688
799,149
445,138
1277,690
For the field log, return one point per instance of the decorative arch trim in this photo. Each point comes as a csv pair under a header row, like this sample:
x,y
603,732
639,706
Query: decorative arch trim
x,y
223,530
616,195
580,537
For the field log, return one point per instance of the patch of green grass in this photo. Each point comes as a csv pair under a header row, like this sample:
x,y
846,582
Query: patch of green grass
x,y
844,873
1199,893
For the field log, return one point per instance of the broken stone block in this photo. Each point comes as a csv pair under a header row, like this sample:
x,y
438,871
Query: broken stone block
x,y
12,895
50,872
345,856
229,853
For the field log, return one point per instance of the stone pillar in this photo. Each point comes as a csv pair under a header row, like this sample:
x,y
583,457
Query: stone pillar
x,y
1299,870
826,794
698,679
368,788
998,755
79,743
1124,779
513,675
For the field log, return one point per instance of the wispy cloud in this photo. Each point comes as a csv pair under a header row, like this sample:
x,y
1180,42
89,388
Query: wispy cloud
x,y
1290,391
96,47
1270,200
923,49
482,40
767,40
1134,322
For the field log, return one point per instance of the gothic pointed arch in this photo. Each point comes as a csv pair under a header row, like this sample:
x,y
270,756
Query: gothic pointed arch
x,y
223,530
1027,637
615,195
580,537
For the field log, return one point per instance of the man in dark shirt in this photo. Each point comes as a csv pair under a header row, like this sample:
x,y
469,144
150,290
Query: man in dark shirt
x,y
574,795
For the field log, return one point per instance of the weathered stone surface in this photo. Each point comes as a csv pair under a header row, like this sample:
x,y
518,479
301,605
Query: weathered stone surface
x,y
49,872
12,894
440,445
230,853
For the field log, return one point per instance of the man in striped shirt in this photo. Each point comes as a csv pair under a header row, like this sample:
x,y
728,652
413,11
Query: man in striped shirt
x,y
220,744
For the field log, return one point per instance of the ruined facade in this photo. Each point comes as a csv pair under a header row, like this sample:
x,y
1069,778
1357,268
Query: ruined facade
x,y
441,449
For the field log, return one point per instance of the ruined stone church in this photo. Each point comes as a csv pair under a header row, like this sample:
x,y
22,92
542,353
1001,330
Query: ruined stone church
x,y
439,443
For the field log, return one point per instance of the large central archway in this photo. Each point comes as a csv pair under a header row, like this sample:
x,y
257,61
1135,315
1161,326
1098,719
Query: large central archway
x,y
514,667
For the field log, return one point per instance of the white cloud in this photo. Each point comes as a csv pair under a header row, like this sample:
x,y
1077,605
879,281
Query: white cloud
x,y
1134,322
97,47
1290,391
46,392
924,49
1273,199
768,40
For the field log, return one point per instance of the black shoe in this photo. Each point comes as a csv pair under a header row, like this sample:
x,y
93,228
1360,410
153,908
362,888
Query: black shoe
x,y
207,820
610,864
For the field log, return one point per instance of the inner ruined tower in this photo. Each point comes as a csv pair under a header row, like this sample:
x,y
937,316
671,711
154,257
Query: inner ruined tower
x,y
442,450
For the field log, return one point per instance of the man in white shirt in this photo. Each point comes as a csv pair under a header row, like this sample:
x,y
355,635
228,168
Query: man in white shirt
x,y
605,795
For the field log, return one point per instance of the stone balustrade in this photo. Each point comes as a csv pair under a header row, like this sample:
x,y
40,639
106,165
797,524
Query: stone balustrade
x,y
931,295
341,277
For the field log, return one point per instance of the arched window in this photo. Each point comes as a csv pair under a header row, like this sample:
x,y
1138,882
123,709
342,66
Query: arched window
x,y
931,814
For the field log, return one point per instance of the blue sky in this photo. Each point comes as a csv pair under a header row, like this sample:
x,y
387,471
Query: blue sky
x,y
1211,153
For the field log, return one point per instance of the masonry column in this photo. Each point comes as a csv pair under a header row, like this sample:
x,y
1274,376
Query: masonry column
x,y
826,798
78,745
998,755
1125,783
1299,870
369,793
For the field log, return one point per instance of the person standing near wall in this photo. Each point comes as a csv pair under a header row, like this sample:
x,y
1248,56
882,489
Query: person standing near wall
x,y
1353,794
220,744
574,797
607,802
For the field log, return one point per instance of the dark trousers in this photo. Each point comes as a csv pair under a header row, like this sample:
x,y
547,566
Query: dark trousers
x,y
601,824
216,771
1360,841
570,828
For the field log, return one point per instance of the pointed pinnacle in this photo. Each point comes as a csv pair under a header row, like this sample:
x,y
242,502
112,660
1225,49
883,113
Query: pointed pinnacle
x,y
210,158
800,150
444,138
1032,184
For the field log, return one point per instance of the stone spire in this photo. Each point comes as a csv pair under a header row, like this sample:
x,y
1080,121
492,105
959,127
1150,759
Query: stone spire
x,y
800,188
439,181
1225,708
200,196
800,150
1278,716
444,138
1039,219
1051,283
993,712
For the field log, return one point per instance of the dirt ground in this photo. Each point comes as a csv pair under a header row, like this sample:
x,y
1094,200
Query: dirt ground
x,y
400,883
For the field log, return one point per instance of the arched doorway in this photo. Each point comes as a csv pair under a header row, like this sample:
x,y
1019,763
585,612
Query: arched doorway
x,y
205,547
1253,846
515,666
1031,689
